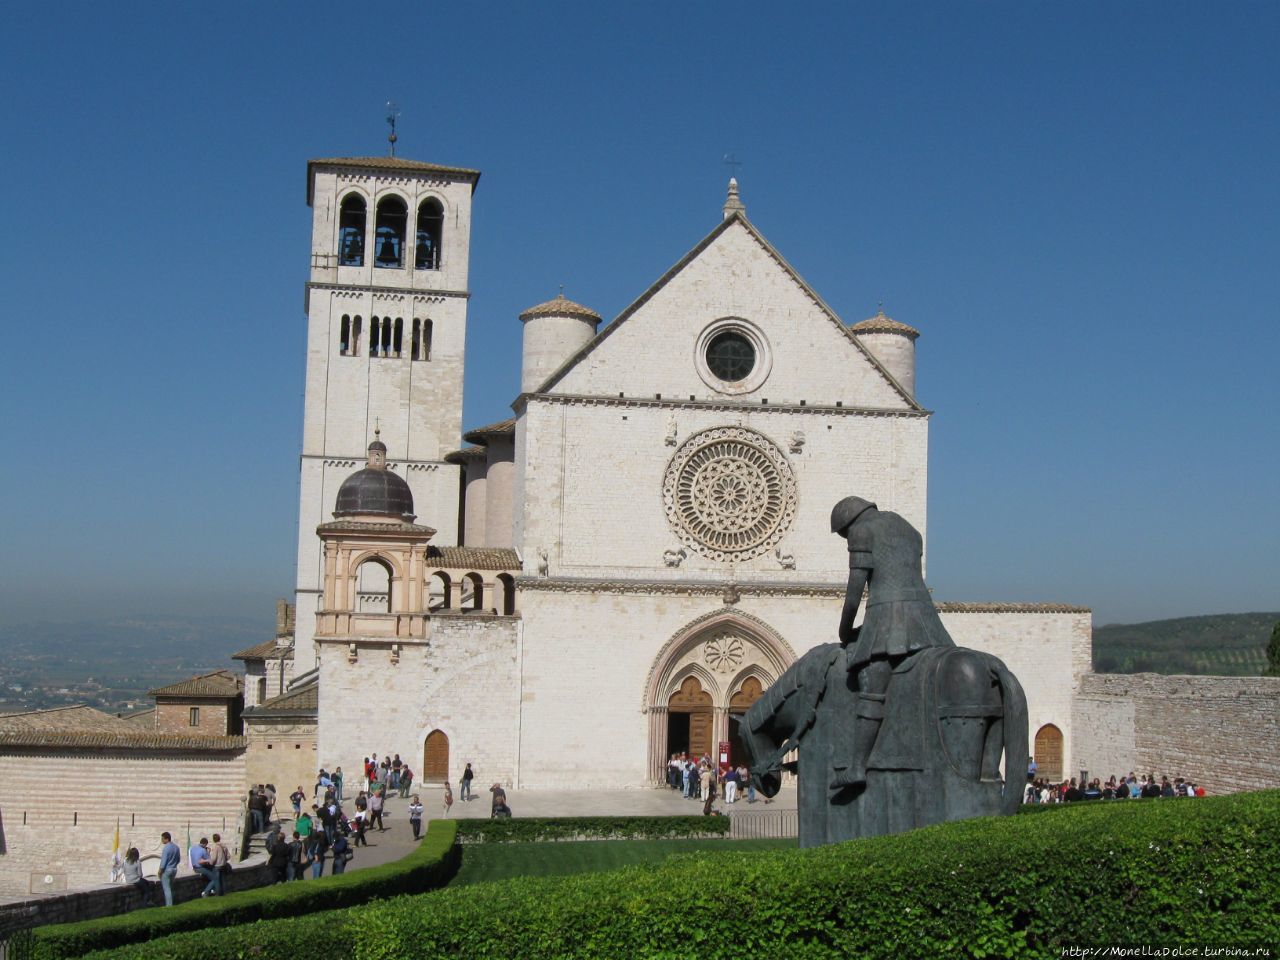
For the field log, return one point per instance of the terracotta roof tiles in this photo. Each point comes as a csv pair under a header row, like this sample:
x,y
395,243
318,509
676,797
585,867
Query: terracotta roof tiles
x,y
132,739
219,684
482,435
474,558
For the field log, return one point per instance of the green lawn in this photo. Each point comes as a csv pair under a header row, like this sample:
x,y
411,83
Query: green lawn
x,y
500,861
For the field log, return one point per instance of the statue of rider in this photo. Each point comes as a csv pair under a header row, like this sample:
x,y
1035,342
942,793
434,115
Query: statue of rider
x,y
885,554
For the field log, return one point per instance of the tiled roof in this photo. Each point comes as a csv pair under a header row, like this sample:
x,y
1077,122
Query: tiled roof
x,y
392,163
267,650
373,526
882,324
474,558
132,739
144,719
465,454
303,702
561,307
957,606
503,428
219,684
77,718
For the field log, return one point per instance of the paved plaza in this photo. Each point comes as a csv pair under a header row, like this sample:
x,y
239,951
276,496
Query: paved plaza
x,y
397,840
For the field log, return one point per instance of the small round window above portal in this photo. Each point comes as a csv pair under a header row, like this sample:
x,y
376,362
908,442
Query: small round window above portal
x,y
733,356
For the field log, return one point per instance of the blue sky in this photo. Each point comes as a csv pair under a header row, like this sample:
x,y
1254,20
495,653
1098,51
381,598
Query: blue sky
x,y
1077,204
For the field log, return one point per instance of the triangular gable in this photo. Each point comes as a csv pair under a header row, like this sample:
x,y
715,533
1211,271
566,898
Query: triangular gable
x,y
666,278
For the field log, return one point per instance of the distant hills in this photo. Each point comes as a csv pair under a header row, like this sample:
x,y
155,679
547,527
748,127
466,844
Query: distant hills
x,y
1225,645
112,663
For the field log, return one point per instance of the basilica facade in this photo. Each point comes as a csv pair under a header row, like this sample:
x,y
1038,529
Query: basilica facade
x,y
616,572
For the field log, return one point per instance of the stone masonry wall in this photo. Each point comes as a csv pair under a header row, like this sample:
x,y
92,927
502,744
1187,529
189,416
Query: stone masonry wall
x,y
463,683
282,751
60,807
110,899
175,717
1220,732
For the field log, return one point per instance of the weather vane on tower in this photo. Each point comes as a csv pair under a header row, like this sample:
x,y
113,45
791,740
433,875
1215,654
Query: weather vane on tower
x,y
393,112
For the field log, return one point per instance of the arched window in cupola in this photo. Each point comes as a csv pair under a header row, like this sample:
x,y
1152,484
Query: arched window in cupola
x,y
430,229
351,224
389,233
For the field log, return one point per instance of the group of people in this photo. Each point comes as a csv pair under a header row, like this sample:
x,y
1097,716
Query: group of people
x,y
697,779
209,858
1115,788
391,772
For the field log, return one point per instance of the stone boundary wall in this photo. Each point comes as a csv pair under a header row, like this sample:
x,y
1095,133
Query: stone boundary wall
x,y
1220,732
109,899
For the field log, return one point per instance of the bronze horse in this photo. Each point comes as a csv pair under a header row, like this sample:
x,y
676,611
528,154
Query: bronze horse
x,y
953,715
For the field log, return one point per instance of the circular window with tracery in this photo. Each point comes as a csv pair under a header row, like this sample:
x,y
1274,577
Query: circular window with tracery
x,y
729,493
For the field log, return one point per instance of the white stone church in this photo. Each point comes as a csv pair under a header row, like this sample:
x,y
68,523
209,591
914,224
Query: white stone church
x,y
616,572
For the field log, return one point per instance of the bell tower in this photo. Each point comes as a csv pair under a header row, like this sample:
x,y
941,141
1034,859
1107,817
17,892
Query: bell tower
x,y
386,306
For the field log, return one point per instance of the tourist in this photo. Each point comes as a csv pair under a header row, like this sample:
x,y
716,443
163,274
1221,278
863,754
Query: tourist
x,y
415,816
297,857
296,799
170,857
341,854
304,824
316,851
448,798
257,804
375,809
337,784
708,784
731,786
685,767
744,777
220,861
1032,767
397,766
269,792
278,855
202,864
133,875
406,780
1151,789
467,776
358,822
499,810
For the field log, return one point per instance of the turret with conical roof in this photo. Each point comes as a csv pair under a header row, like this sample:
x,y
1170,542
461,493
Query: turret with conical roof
x,y
553,332
893,344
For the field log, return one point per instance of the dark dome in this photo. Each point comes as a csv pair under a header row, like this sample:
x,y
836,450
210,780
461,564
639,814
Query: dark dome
x,y
375,491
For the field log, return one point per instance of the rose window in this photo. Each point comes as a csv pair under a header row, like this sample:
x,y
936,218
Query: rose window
x,y
723,653
730,493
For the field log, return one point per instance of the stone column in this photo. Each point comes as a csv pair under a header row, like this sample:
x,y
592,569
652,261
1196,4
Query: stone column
x,y
658,744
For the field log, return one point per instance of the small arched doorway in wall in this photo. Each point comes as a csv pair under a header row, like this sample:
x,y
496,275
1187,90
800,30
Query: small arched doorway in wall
x,y
1048,752
689,719
435,758
748,692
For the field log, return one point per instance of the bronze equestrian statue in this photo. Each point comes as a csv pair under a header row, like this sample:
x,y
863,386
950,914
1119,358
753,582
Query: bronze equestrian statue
x,y
895,726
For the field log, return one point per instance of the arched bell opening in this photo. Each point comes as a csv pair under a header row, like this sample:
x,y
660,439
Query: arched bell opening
x,y
352,219
428,235
388,240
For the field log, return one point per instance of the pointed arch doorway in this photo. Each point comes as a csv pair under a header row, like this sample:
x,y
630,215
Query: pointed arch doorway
x,y
750,690
702,681
689,719
435,758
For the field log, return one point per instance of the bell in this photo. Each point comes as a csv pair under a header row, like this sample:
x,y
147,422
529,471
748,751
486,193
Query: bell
x,y
387,252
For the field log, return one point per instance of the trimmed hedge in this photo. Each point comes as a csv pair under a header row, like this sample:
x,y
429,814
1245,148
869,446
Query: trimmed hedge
x,y
590,828
431,864
1190,873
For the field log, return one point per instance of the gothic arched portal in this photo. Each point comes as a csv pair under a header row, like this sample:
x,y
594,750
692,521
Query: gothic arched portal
x,y
704,678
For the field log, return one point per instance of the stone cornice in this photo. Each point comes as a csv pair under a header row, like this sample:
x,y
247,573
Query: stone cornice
x,y
684,587
722,406
365,288
732,591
